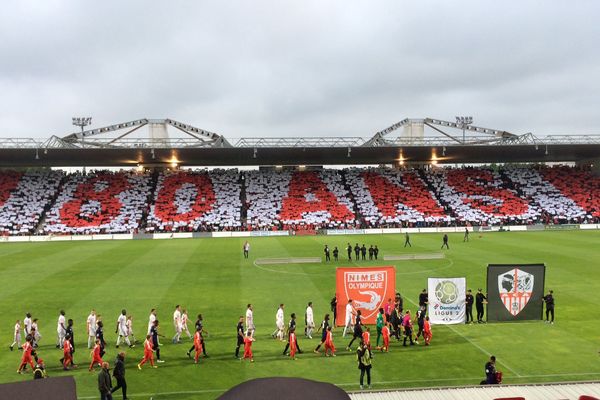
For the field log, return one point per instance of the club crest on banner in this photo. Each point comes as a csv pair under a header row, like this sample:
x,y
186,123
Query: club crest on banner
x,y
368,288
515,288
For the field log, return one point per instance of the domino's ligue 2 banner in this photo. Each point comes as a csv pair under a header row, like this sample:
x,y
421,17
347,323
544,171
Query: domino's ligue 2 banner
x,y
368,288
447,300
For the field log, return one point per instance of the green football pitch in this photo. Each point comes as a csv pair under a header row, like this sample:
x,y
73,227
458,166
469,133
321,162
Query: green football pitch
x,y
210,276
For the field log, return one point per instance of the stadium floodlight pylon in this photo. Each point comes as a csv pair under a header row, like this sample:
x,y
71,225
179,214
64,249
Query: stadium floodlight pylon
x,y
496,135
200,137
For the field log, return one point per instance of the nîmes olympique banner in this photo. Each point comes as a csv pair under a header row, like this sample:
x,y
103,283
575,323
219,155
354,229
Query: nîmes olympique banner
x,y
515,291
447,300
368,288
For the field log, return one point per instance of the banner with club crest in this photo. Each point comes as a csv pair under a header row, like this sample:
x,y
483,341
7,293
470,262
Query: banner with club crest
x,y
368,288
447,300
515,291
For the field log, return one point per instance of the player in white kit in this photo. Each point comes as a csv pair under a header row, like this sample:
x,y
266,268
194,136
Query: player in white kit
x,y
177,323
130,329
122,330
17,338
91,328
37,336
61,329
27,324
151,319
279,332
250,328
184,322
350,312
310,320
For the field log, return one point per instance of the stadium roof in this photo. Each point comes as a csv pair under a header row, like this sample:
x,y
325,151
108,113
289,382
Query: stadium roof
x,y
120,145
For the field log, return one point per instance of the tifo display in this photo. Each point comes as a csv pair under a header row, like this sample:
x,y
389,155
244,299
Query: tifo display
x,y
56,203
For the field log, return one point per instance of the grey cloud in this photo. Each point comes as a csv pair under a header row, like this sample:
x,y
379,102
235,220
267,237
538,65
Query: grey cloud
x,y
300,68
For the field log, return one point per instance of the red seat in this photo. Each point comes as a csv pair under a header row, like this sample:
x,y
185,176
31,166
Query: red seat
x,y
510,398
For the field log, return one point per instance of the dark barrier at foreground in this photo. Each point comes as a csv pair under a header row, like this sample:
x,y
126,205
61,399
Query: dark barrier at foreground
x,y
62,388
284,388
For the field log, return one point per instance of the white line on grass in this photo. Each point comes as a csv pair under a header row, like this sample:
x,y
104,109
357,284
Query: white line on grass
x,y
354,384
449,265
484,351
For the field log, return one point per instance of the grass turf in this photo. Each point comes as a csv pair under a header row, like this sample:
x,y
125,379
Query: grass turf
x,y
210,276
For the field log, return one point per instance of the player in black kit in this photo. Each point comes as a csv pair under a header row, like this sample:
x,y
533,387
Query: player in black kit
x,y
291,328
154,333
326,251
199,328
323,329
349,250
549,300
336,252
357,252
423,300
240,336
357,330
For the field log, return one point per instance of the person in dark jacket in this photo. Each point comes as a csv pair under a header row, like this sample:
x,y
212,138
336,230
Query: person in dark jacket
x,y
119,374
490,372
364,358
104,382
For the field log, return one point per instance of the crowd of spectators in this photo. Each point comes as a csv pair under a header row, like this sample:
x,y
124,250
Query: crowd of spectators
x,y
104,202
196,201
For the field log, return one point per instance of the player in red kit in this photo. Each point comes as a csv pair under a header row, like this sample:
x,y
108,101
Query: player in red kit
x,y
67,353
427,331
248,347
197,345
385,331
96,358
366,337
26,359
329,347
148,353
293,343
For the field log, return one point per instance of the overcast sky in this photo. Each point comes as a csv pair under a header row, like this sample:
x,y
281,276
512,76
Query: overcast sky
x,y
300,68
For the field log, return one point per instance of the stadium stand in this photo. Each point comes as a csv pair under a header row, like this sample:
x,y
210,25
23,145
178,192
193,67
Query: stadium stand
x,y
555,207
196,201
579,185
52,202
23,199
99,202
298,200
387,197
480,196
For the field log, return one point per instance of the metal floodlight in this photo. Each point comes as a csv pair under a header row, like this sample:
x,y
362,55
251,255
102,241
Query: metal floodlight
x,y
463,122
82,122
